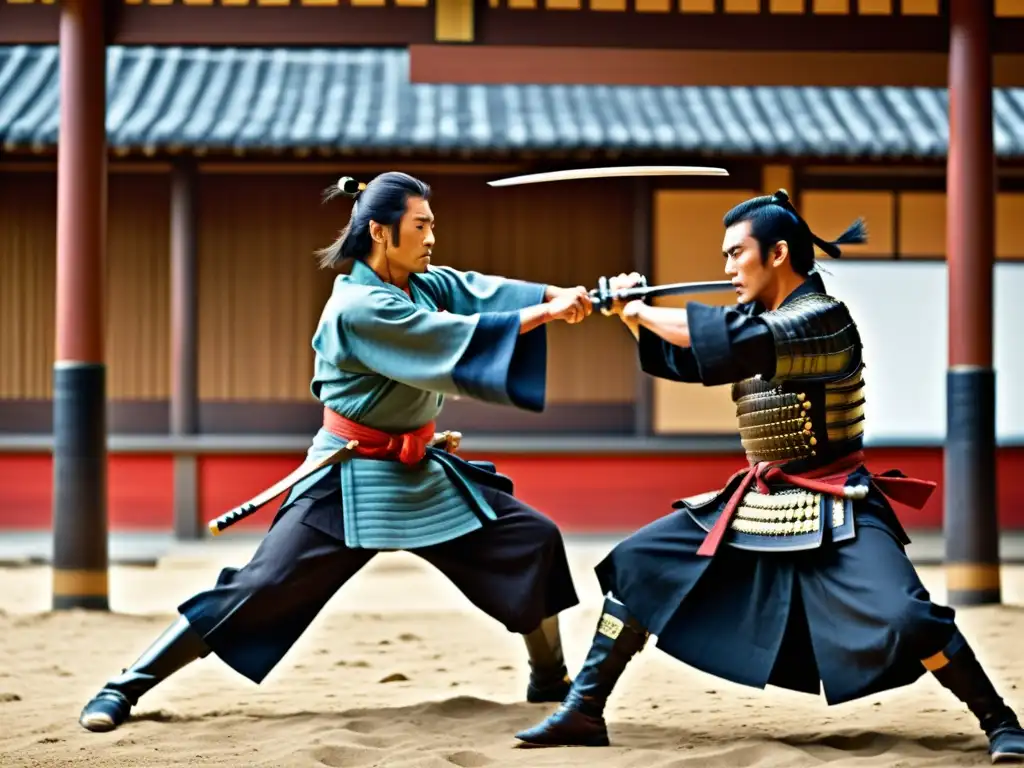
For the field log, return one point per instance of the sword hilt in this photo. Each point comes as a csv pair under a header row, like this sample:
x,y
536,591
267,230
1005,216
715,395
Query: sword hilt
x,y
603,296
229,518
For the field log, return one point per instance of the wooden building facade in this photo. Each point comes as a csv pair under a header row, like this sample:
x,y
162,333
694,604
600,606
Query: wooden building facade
x,y
240,187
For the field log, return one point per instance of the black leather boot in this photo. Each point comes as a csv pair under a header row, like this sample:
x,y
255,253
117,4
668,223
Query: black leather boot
x,y
963,675
177,646
549,678
580,719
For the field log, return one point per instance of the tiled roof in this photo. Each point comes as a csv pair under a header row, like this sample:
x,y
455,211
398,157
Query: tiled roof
x,y
354,100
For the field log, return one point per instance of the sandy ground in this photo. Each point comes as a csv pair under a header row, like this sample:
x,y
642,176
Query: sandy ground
x,y
400,671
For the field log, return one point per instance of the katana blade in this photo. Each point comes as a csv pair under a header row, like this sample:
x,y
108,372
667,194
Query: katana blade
x,y
676,289
602,297
609,173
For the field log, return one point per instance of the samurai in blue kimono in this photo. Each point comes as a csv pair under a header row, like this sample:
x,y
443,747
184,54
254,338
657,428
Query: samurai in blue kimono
x,y
396,336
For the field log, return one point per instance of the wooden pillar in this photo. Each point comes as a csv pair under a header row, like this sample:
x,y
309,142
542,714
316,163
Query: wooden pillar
x,y
184,419
971,524
643,233
79,376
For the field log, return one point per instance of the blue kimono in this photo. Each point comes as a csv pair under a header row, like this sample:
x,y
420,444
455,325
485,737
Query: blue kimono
x,y
387,360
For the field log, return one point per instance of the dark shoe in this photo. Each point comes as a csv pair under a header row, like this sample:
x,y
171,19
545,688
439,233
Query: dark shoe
x,y
539,692
1007,746
177,646
549,678
964,677
580,719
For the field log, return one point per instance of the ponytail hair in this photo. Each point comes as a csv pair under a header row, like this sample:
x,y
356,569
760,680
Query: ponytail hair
x,y
773,218
383,200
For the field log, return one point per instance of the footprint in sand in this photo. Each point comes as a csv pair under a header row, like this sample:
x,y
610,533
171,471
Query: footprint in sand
x,y
336,756
469,759
360,726
460,707
8,697
869,745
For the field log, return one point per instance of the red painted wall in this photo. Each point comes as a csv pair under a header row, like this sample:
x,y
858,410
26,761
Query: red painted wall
x,y
581,493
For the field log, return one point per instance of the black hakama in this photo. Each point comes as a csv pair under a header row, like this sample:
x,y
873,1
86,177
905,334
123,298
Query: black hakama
x,y
853,615
514,569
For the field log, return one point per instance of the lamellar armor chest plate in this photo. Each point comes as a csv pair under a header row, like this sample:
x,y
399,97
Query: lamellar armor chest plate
x,y
814,404
810,411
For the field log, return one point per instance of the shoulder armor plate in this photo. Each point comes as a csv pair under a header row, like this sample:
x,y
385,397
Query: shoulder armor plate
x,y
815,339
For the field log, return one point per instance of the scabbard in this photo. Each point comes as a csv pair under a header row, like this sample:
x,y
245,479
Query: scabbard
x,y
304,470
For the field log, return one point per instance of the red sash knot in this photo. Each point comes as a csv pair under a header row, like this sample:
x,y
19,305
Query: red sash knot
x,y
408,447
830,479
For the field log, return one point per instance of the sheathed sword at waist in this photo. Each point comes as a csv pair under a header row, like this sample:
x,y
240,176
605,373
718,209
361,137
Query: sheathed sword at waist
x,y
304,470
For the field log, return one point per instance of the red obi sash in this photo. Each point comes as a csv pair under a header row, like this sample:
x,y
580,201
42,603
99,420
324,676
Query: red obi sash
x,y
830,479
408,447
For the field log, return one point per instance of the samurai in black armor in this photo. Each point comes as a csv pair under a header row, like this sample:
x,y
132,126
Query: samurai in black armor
x,y
794,573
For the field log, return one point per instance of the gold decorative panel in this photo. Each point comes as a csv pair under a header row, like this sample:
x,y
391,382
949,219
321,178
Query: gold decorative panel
x,y
875,7
1010,8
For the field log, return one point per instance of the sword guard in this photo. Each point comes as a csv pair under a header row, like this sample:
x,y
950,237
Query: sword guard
x,y
603,296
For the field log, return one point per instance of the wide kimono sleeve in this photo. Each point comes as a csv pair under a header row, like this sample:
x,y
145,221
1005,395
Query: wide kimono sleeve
x,y
729,344
467,293
480,355
726,345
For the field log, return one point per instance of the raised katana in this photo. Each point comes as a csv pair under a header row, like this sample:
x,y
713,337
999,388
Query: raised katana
x,y
603,296
609,173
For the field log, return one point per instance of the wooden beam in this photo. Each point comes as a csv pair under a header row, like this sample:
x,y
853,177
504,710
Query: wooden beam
x,y
404,22
227,25
244,167
722,32
622,66
251,25
28,24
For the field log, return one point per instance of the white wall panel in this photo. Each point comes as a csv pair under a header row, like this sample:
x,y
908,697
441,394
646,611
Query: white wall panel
x,y
901,309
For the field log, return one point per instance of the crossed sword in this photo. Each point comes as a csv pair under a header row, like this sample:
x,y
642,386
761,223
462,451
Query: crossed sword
x,y
602,298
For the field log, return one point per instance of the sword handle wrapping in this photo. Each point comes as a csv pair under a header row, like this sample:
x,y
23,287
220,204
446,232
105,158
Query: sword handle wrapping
x,y
231,517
